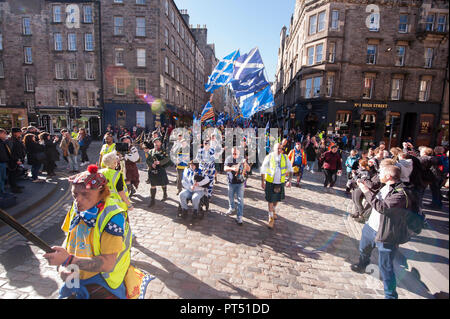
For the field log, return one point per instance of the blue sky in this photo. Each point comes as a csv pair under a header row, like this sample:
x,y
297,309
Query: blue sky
x,y
242,24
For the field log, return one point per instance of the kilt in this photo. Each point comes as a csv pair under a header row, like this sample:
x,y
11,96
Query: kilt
x,y
271,197
132,174
159,179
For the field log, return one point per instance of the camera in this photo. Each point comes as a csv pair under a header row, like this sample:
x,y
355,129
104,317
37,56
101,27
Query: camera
x,y
122,148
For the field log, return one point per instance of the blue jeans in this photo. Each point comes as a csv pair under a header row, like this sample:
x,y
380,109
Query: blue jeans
x,y
386,256
311,165
3,177
186,195
35,170
238,191
73,162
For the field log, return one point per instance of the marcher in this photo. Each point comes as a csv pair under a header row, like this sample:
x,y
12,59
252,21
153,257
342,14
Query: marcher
x,y
206,156
194,183
98,241
351,164
236,167
384,227
311,153
108,147
157,161
275,168
332,166
70,148
298,160
131,169
181,149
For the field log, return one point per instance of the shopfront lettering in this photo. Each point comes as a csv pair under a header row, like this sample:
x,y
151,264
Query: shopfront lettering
x,y
371,105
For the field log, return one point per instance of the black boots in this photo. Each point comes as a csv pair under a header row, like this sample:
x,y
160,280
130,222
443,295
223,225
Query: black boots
x,y
164,188
153,195
358,268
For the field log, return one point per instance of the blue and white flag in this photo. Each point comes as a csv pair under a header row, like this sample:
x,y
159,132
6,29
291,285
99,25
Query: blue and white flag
x,y
258,102
221,119
247,64
208,112
250,83
223,73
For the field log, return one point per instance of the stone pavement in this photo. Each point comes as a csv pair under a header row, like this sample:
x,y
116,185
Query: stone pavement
x,y
307,255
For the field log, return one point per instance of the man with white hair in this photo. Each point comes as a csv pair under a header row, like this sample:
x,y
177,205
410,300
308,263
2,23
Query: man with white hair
x,y
275,168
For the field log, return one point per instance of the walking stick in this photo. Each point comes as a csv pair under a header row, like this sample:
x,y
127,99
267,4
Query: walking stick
x,y
9,220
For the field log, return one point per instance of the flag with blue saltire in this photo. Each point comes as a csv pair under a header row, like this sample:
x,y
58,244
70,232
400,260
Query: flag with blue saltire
x,y
237,113
223,73
247,64
221,119
208,112
227,117
250,83
258,102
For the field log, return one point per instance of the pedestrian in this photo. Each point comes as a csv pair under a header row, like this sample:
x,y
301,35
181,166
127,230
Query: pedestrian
x,y
182,153
84,140
131,170
351,164
236,167
332,166
70,148
35,155
116,181
17,158
108,147
276,166
5,157
157,161
406,167
384,227
298,160
50,148
311,153
74,133
431,176
194,182
98,242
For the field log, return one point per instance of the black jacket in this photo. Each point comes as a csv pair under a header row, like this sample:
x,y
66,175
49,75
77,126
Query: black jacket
x,y
50,150
393,214
416,178
429,164
4,153
32,149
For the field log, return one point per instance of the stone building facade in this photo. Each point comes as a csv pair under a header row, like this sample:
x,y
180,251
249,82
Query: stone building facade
x,y
364,69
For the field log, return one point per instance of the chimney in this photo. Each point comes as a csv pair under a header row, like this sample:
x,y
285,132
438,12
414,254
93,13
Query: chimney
x,y
185,16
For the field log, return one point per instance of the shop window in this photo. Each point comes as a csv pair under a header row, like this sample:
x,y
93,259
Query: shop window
x,y
2,97
368,124
343,122
121,117
426,124
392,124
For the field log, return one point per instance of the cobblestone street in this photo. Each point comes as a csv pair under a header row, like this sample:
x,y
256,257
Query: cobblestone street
x,y
307,255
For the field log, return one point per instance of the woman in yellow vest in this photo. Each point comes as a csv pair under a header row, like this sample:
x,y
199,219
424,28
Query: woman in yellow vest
x,y
109,147
116,181
97,245
275,168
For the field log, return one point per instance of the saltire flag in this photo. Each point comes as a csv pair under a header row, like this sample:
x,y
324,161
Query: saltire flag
x,y
258,102
252,82
208,113
237,113
227,117
247,64
221,119
223,73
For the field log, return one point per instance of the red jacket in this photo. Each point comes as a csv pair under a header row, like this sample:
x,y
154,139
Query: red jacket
x,y
332,161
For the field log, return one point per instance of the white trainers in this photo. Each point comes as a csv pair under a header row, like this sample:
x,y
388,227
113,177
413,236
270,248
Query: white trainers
x,y
239,220
231,212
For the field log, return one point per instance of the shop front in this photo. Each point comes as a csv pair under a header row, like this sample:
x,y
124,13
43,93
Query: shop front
x,y
13,117
129,115
391,122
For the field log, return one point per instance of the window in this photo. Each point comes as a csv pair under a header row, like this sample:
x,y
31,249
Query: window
x,y
429,22
61,97
141,86
312,24
182,32
28,56
178,74
316,89
331,52
400,56
72,42
118,1
74,98
396,90
310,55
403,23
140,27
172,16
167,93
59,71
118,25
308,90
2,97
428,57
178,49
166,7
89,42
424,90
172,43
30,105
368,87
371,54
173,94
177,24
57,14
140,1
90,72
140,57
58,41
87,14
166,65
172,69
319,55
91,100
334,20
166,36
26,25
1,41
119,57
29,83
73,75
330,85
119,86
2,70
321,24
374,22
442,23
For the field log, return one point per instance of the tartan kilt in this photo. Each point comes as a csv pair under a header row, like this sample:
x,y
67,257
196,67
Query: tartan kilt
x,y
271,197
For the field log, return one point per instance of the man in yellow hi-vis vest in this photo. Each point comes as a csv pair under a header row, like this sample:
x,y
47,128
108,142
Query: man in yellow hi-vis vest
x,y
275,168
109,147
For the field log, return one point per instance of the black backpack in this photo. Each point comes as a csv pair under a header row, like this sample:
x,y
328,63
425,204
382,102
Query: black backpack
x,y
414,221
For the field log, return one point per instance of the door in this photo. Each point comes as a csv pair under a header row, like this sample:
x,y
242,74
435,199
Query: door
x,y
121,117
409,126
94,127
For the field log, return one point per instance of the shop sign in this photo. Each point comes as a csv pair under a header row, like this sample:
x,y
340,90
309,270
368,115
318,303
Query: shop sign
x,y
371,105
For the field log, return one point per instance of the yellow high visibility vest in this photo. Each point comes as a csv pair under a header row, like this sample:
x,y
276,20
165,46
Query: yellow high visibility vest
x,y
270,172
115,277
112,176
107,149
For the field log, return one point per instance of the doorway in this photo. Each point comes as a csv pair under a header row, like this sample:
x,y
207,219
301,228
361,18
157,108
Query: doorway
x,y
94,128
311,123
409,126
